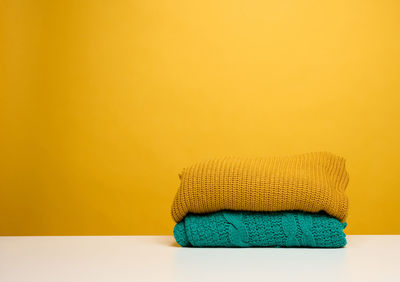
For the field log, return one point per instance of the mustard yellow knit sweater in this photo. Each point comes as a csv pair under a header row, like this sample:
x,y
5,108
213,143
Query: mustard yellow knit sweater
x,y
310,182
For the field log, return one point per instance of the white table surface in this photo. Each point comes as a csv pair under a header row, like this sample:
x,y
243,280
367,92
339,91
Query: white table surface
x,y
158,258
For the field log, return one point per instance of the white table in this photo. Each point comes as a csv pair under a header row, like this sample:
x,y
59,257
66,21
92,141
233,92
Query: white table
x,y
158,258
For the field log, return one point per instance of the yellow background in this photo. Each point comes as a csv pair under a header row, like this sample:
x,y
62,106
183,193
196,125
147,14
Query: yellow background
x,y
103,102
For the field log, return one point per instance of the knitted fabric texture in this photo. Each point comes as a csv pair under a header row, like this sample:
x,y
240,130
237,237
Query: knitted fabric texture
x,y
260,229
310,182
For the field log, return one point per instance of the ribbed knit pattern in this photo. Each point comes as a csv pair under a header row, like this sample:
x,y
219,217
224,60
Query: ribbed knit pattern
x,y
260,229
310,182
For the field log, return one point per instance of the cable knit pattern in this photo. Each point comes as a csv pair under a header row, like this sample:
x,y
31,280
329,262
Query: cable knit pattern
x,y
260,229
310,182
237,230
305,223
289,226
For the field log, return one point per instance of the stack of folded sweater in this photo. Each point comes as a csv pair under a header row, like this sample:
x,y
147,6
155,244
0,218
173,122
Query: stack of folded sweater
x,y
290,201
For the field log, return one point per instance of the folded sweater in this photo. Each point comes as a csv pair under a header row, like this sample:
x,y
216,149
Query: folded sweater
x,y
260,229
310,182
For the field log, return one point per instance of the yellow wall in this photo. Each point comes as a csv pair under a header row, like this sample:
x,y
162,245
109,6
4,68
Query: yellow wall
x,y
103,102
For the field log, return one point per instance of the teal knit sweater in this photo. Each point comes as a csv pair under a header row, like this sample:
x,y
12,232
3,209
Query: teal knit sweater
x,y
260,229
